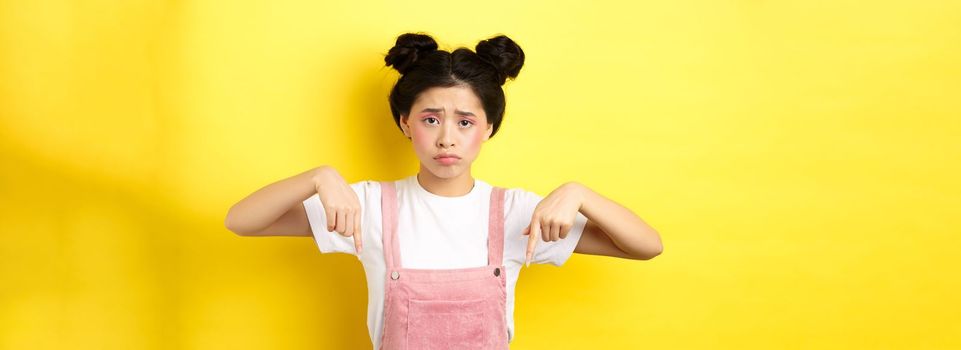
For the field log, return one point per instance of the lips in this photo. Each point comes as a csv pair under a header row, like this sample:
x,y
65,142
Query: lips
x,y
447,159
446,155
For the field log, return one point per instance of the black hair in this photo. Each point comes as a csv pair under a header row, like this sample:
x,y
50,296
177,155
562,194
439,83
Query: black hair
x,y
423,66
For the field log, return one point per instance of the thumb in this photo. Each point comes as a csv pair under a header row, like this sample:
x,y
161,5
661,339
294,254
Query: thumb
x,y
527,230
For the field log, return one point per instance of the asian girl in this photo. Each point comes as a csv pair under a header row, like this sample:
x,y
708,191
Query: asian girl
x,y
442,250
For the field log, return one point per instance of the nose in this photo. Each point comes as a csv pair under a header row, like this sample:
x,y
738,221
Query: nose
x,y
445,144
445,140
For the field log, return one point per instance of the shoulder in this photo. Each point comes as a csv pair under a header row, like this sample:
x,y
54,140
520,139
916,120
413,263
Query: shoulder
x,y
519,195
366,185
517,199
368,191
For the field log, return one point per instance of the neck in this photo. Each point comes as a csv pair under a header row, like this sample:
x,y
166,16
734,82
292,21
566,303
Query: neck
x,y
446,187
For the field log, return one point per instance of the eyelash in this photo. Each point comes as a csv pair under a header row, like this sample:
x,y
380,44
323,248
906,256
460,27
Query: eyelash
x,y
464,120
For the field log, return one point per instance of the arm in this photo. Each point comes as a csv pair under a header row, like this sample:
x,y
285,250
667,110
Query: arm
x,y
276,209
614,230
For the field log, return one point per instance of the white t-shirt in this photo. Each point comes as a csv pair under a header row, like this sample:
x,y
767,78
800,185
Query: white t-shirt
x,y
438,232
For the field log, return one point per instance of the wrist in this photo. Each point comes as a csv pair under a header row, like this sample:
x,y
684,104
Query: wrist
x,y
579,191
316,174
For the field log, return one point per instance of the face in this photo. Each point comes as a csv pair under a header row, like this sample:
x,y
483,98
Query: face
x,y
447,120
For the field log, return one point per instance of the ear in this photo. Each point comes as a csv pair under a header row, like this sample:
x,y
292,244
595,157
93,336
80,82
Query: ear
x,y
490,130
403,125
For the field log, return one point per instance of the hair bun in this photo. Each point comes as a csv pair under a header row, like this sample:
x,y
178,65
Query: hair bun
x,y
504,54
407,49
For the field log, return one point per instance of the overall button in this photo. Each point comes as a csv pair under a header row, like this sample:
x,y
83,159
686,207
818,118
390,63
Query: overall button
x,y
497,271
394,275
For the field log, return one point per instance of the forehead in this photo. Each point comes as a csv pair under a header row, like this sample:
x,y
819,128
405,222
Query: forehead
x,y
450,98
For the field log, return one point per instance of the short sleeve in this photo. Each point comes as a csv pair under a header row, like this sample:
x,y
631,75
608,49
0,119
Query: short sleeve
x,y
557,252
332,241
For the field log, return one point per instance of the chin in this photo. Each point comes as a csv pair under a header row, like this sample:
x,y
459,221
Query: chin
x,y
447,172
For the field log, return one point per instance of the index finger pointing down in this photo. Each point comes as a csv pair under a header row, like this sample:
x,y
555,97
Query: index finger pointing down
x,y
535,235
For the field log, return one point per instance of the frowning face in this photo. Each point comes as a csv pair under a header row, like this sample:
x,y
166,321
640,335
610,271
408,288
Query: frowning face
x,y
447,126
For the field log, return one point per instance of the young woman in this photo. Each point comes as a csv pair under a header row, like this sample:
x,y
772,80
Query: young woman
x,y
441,250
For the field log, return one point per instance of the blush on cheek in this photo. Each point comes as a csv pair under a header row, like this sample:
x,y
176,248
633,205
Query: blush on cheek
x,y
421,139
475,141
479,136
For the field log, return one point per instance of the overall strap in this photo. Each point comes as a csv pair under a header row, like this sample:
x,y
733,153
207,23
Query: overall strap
x,y
388,209
495,228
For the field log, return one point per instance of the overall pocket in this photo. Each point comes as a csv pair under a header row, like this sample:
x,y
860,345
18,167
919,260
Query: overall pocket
x,y
451,324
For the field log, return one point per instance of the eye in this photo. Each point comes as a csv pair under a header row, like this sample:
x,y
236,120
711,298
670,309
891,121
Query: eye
x,y
469,123
429,118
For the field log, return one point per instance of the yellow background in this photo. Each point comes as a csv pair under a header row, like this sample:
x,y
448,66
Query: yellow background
x,y
800,160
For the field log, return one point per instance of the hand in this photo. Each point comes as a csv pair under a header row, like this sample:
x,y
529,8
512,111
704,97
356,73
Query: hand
x,y
340,204
554,216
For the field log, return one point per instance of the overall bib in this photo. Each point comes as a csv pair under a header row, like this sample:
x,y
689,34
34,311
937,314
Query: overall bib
x,y
444,309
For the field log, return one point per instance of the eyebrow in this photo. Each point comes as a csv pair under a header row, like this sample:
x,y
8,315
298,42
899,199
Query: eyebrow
x,y
437,110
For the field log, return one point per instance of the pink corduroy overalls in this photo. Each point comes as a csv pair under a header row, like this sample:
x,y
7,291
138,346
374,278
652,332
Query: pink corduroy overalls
x,y
444,309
